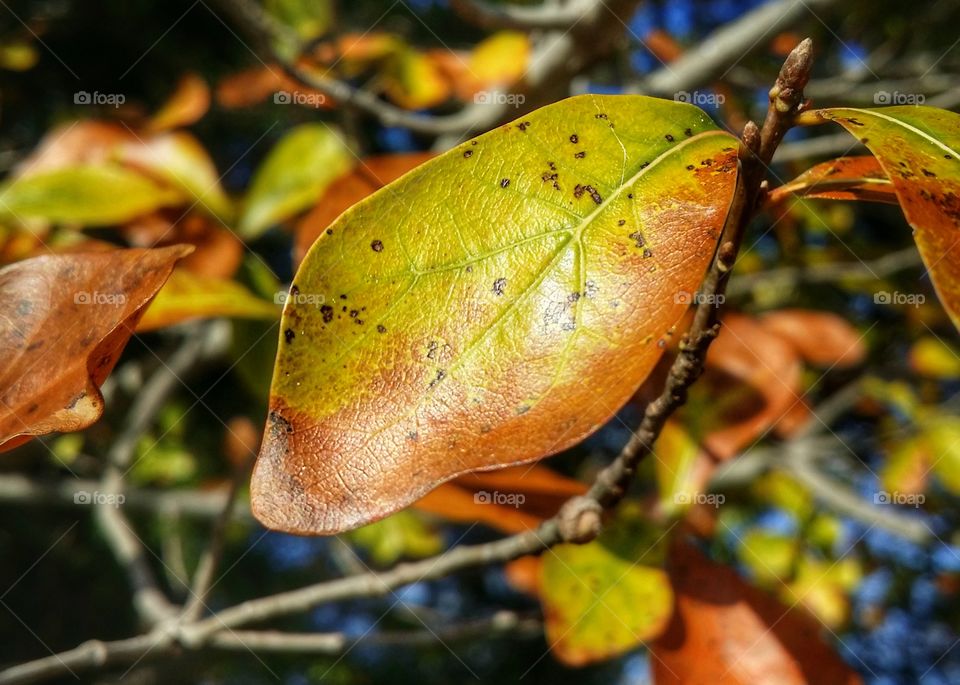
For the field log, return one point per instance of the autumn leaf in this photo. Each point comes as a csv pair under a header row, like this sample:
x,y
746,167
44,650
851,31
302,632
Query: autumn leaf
x,y
189,296
189,102
412,80
608,596
64,319
293,176
725,632
492,307
90,195
369,175
844,178
919,150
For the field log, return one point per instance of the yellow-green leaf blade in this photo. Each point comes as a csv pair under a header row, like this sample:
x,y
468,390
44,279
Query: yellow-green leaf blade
x,y
293,176
93,195
491,307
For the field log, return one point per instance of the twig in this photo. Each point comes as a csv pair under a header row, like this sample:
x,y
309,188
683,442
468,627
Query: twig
x,y
507,16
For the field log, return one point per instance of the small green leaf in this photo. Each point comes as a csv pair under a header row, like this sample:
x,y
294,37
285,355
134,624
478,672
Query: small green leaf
x,y
91,195
603,598
293,176
403,535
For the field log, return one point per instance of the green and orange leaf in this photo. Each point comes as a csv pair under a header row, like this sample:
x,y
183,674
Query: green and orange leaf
x,y
492,307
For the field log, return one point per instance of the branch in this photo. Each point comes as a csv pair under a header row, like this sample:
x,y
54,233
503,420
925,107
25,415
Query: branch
x,y
507,16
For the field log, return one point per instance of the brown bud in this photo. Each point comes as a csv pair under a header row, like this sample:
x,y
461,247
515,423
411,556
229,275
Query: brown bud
x,y
579,520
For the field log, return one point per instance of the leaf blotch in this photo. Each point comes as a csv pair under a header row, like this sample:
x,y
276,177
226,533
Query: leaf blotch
x,y
377,246
499,285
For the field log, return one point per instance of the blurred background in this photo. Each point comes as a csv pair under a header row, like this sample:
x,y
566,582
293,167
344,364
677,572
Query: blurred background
x,y
824,439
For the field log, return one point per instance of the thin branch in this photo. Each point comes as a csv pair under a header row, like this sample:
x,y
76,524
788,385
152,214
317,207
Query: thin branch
x,y
507,16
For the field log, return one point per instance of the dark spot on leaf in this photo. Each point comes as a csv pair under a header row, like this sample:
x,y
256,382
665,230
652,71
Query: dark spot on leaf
x,y
948,156
648,253
621,222
504,182
928,173
499,285
580,155
289,335
343,297
690,167
294,290
574,138
326,311
381,328
669,138
579,190
638,238
523,409
467,153
329,231
629,196
412,435
353,313
600,116
432,348
523,126
376,246
687,132
441,374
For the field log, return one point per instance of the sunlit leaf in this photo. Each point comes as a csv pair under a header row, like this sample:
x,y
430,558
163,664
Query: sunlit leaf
x,y
492,307
604,598
413,81
64,319
726,632
402,535
932,357
844,178
369,175
189,296
180,160
675,454
821,338
189,102
942,433
500,60
90,195
293,176
919,150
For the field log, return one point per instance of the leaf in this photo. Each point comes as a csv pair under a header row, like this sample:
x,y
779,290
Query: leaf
x,y
844,178
510,500
919,150
822,338
403,535
252,86
369,175
494,306
89,195
189,102
412,80
600,601
189,296
310,19
180,160
725,632
932,357
942,433
64,319
500,60
676,454
293,176
218,251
